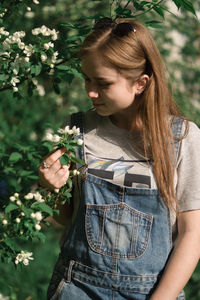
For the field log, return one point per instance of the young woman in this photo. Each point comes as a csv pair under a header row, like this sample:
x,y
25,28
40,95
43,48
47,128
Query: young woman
x,y
135,214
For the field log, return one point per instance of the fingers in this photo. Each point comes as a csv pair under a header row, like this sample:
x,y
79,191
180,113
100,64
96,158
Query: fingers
x,y
53,157
53,175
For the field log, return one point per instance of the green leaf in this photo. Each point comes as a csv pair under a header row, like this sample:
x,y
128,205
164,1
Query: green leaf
x,y
188,6
40,236
154,24
177,3
77,160
25,173
9,243
67,194
27,211
69,182
2,77
159,11
10,207
42,207
64,159
62,67
14,157
34,177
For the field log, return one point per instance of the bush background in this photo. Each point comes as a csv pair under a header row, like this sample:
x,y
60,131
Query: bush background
x,y
24,120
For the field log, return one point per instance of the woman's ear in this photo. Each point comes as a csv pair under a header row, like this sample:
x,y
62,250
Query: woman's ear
x,y
141,84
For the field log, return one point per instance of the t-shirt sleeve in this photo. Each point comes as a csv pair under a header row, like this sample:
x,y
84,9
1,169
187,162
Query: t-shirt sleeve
x,y
188,170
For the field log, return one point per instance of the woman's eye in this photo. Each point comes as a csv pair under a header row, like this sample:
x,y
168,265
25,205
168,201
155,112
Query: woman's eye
x,y
104,85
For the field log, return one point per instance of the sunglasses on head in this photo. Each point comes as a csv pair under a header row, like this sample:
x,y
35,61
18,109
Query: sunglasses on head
x,y
120,30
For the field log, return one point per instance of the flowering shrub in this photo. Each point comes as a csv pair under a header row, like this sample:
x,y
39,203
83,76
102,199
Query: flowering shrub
x,y
25,213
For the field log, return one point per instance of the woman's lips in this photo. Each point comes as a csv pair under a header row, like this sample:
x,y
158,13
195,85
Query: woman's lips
x,y
97,104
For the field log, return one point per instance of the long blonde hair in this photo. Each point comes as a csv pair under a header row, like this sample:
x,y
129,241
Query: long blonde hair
x,y
133,55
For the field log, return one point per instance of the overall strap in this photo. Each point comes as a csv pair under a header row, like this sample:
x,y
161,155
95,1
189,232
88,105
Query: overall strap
x,y
77,120
177,124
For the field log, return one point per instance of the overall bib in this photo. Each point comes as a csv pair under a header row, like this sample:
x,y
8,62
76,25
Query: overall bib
x,y
119,243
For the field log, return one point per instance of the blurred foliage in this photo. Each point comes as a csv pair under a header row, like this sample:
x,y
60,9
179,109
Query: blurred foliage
x,y
47,98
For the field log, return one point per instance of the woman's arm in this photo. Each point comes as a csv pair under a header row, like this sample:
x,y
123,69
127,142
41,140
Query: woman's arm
x,y
183,259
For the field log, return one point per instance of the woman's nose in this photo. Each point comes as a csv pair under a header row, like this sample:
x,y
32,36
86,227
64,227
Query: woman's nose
x,y
93,94
92,91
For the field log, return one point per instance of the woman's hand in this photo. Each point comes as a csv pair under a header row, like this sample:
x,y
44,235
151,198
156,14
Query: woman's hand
x,y
53,175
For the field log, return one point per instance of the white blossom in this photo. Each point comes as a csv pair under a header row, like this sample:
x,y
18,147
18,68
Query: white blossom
x,y
18,220
15,71
37,227
48,45
48,137
15,89
12,198
56,138
54,57
36,2
29,14
80,142
76,131
61,130
28,8
3,32
14,80
24,257
29,196
27,59
41,90
19,34
28,50
35,31
76,172
43,57
54,34
70,132
19,202
38,216
16,195
21,45
33,215
22,214
56,190
2,297
5,222
38,197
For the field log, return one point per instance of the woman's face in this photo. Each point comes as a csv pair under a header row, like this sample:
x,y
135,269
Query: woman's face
x,y
110,92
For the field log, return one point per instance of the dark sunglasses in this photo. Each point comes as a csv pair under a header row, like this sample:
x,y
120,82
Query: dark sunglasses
x,y
120,30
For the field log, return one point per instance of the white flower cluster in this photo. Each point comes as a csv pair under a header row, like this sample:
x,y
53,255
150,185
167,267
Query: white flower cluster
x,y
34,195
36,2
1,16
2,297
75,131
55,138
45,31
15,38
15,198
3,32
38,217
24,257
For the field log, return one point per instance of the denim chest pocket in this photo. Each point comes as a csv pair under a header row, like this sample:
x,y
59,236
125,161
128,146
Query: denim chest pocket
x,y
117,230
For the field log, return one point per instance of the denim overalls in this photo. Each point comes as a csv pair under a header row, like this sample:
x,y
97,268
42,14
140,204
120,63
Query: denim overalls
x,y
119,243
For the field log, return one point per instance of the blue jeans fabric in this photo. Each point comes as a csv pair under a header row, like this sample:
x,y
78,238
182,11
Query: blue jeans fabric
x,y
118,246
